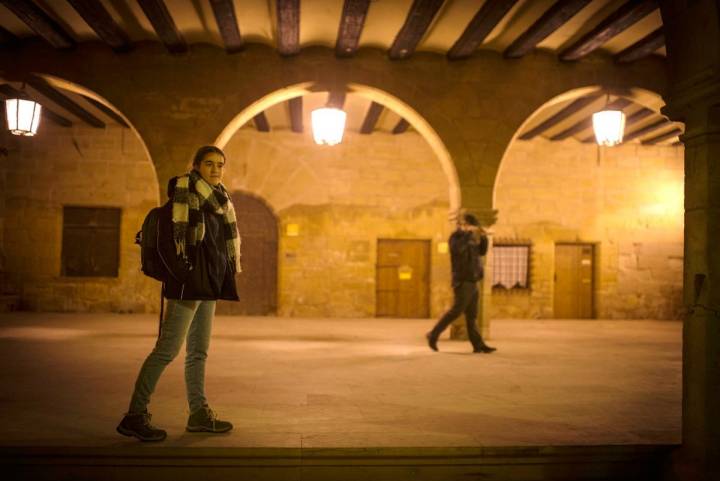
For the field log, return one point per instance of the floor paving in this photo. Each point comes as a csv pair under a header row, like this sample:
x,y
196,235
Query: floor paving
x,y
316,383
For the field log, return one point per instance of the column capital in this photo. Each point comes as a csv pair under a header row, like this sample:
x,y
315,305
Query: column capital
x,y
692,35
702,121
694,95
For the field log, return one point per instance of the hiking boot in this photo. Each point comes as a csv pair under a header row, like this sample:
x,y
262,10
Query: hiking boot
x,y
204,420
138,425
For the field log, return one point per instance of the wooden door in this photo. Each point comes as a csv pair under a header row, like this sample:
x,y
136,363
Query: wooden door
x,y
257,283
403,278
573,281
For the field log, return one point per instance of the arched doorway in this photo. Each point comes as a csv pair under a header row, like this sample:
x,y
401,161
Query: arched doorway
x,y
257,283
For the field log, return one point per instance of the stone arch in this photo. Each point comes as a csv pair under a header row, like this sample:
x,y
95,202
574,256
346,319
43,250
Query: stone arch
x,y
475,107
315,211
82,178
84,91
642,96
625,202
374,94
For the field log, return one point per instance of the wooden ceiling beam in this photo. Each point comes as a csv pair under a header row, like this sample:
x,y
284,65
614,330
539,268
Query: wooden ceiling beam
x,y
617,104
99,19
224,11
480,27
401,127
40,22
8,91
624,17
156,11
554,18
638,116
371,118
288,27
336,98
417,22
574,107
647,129
643,47
261,122
352,22
296,114
107,111
659,138
64,102
7,38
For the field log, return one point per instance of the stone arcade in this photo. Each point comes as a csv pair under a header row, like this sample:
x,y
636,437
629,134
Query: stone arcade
x,y
450,106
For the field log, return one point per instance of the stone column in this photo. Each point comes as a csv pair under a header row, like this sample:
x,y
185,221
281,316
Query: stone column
x,y
692,32
699,458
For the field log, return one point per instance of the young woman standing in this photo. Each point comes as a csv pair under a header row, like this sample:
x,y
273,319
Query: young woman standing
x,y
207,246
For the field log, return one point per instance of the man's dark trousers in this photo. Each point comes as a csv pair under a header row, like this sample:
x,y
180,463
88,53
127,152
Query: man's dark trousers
x,y
466,301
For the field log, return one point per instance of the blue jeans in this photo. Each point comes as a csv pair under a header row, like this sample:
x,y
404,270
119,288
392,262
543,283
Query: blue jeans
x,y
191,319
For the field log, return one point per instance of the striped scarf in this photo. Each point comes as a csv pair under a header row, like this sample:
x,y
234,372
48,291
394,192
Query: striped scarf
x,y
193,193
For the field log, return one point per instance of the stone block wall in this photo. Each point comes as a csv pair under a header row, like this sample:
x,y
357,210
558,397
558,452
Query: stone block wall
x,y
77,166
343,199
626,200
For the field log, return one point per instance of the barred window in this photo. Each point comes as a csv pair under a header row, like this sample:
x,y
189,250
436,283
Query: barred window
x,y
90,242
511,266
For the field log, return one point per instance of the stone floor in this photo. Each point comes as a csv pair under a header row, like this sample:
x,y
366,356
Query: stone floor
x,y
309,383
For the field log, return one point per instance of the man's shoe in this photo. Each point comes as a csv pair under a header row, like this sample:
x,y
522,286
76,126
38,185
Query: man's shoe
x,y
138,425
204,420
485,349
432,341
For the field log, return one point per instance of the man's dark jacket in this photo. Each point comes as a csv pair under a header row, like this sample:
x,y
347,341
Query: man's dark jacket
x,y
211,274
465,253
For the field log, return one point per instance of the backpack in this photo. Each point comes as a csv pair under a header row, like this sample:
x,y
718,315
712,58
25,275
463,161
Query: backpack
x,y
154,237
152,262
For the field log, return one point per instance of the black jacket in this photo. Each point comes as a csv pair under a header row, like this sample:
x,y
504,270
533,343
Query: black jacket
x,y
211,274
465,253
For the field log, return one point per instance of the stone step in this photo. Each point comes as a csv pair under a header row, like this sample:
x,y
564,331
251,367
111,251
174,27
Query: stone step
x,y
153,461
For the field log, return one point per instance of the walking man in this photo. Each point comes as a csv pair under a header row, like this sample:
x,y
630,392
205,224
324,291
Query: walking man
x,y
467,245
203,255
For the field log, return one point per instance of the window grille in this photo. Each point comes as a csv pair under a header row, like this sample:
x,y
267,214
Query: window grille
x,y
511,266
91,242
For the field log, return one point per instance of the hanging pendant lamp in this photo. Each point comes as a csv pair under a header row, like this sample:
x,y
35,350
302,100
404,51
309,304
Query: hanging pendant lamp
x,y
328,123
609,126
23,116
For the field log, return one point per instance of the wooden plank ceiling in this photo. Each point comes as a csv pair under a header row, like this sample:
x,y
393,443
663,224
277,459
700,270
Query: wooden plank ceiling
x,y
570,29
571,119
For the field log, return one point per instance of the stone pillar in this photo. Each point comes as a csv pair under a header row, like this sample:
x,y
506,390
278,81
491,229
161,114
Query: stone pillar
x,y
692,32
699,458
3,164
487,218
